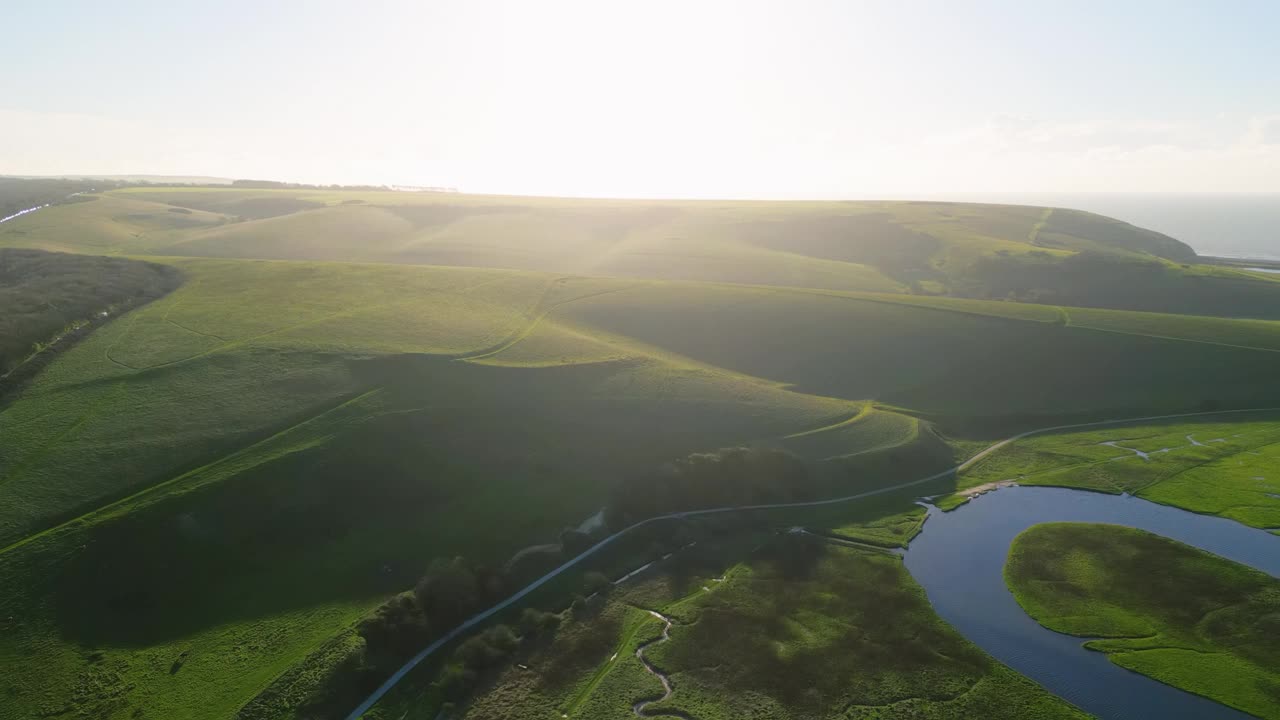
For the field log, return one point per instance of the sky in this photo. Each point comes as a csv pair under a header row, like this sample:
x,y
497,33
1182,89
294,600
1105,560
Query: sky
x,y
699,98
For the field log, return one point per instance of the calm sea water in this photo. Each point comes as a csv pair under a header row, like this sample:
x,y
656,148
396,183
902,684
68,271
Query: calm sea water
x,y
1221,225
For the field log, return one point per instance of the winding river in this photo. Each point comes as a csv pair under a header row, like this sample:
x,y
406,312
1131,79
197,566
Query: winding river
x,y
959,560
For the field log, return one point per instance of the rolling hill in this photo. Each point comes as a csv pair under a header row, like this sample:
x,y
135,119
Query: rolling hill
x,y
347,385
1045,255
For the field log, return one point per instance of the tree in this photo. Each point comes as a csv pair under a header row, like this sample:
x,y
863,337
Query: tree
x,y
573,542
488,648
534,622
397,628
449,592
596,582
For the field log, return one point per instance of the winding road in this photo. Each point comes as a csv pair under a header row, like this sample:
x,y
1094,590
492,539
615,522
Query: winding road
x,y
466,626
20,213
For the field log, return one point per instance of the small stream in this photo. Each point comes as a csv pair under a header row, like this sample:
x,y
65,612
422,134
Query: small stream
x,y
959,560
639,708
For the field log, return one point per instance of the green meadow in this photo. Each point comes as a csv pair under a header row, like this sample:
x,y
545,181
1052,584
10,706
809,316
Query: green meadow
x,y
1180,615
1224,464
50,299
205,494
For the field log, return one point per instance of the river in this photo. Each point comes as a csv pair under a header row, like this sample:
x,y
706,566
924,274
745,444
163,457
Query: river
x,y
959,560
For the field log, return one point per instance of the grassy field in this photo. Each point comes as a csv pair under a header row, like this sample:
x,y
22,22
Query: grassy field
x,y
1164,609
373,416
1056,256
1226,465
234,487
50,298
852,624
989,365
199,499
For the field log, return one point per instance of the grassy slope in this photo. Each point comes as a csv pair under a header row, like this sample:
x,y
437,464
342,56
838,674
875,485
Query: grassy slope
x,y
46,295
1228,465
194,381
971,250
324,395
852,624
1170,611
362,449
989,365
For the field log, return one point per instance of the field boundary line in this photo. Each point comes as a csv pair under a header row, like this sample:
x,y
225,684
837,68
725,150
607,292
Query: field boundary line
x,y
856,418
535,320
483,616
183,476
1034,236
1063,314
1175,338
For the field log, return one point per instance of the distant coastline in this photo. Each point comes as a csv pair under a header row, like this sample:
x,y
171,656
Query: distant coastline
x,y
1227,226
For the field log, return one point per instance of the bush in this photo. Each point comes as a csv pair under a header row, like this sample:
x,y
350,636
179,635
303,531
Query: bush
x,y
449,592
726,477
534,622
596,582
488,648
397,629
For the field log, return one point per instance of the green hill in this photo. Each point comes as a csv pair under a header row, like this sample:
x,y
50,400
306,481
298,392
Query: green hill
x,y
53,299
1053,256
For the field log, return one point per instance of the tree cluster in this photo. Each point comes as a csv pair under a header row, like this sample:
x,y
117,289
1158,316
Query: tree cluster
x,y
450,592
727,477
45,295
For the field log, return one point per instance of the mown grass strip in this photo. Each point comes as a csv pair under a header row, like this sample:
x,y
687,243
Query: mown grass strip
x,y
859,416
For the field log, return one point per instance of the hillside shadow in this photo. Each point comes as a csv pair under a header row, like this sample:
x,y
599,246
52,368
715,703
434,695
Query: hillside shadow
x,y
461,459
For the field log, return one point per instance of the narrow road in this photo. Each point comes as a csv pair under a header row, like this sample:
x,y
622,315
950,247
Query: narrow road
x,y
639,708
20,213
462,629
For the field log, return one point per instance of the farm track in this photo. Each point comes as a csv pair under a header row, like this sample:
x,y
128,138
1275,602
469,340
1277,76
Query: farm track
x,y
91,514
1063,319
857,417
1034,236
484,616
539,312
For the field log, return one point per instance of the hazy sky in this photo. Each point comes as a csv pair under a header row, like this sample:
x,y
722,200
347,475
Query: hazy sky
x,y
695,98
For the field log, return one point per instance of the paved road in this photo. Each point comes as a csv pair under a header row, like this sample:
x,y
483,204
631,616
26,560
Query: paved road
x,y
482,617
20,213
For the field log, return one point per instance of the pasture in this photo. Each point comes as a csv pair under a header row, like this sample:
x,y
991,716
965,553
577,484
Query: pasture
x,y
1164,609
50,298
364,443
1052,256
1223,464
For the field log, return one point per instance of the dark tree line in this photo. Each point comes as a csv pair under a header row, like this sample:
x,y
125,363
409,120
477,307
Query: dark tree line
x,y
44,294
447,594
